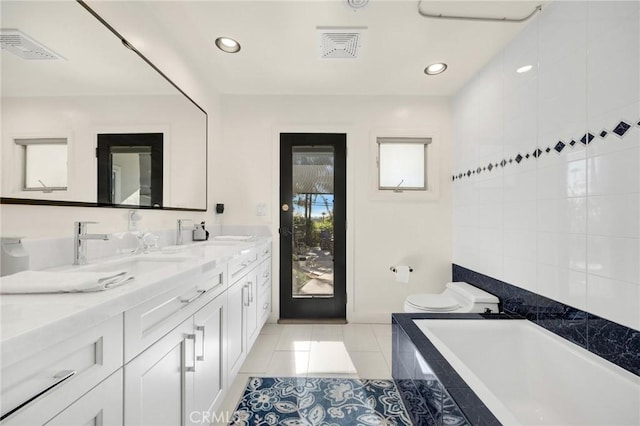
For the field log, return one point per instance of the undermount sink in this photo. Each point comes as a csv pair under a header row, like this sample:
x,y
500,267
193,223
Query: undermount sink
x,y
136,266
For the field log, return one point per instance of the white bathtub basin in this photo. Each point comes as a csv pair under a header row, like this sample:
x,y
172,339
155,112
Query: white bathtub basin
x,y
527,375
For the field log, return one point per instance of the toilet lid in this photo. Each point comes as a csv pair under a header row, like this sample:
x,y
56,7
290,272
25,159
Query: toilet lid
x,y
433,302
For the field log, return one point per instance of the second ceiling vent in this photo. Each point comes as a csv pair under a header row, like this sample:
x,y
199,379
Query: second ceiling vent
x,y
340,42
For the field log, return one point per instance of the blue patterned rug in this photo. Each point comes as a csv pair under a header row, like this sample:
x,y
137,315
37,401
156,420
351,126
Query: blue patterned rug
x,y
299,401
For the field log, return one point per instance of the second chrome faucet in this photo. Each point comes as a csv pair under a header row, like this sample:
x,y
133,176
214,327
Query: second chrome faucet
x,y
79,241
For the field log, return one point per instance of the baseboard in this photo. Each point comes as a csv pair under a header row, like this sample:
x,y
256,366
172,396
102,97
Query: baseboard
x,y
312,321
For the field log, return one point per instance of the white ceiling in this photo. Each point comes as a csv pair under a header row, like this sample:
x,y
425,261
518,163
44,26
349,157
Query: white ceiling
x,y
279,52
95,62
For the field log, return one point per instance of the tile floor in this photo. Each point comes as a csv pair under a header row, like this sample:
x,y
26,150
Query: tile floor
x,y
351,351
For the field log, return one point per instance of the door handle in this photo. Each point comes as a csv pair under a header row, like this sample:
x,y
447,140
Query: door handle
x,y
285,232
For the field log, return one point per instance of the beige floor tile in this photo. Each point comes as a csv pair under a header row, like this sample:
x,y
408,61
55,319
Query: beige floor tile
x,y
386,348
360,337
288,364
370,365
381,330
294,342
330,357
260,355
270,328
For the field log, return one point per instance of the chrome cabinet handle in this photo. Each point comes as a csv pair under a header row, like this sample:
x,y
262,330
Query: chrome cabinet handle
x,y
250,284
266,306
201,328
60,377
191,369
187,301
245,303
266,275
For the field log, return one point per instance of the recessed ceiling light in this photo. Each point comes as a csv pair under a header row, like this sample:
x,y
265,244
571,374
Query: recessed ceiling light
x,y
227,44
437,68
524,69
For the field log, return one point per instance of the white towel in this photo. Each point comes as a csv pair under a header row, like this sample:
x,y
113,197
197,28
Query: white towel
x,y
61,282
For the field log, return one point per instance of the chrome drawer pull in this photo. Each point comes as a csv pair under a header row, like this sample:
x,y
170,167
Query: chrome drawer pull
x,y
60,378
193,368
187,301
201,328
250,284
266,275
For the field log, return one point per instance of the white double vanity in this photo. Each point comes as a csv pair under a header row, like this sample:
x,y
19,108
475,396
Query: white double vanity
x,y
161,349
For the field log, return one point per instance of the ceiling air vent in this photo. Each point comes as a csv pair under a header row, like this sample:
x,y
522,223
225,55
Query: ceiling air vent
x,y
20,44
340,43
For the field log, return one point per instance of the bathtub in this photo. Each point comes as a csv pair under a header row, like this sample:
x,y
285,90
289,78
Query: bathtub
x,y
527,375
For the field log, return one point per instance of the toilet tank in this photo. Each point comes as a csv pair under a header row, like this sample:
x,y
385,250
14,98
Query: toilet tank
x,y
478,297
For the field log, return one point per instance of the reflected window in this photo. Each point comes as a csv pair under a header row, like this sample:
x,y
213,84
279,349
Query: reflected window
x,y
45,164
130,169
402,163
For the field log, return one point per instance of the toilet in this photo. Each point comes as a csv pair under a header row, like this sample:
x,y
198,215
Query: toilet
x,y
457,297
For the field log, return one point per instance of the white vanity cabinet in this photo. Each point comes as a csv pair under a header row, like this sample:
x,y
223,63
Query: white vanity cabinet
x,y
210,329
38,387
166,359
180,376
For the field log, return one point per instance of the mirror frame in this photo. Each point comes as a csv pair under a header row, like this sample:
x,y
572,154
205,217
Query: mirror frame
x,y
37,202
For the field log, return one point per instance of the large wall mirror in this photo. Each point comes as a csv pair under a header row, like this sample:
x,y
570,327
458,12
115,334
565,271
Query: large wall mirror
x,y
68,85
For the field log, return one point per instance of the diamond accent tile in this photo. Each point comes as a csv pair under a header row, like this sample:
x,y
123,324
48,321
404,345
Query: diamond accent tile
x,y
621,128
478,170
490,166
518,158
572,143
547,150
468,173
510,160
603,134
559,147
537,152
587,138
527,156
503,163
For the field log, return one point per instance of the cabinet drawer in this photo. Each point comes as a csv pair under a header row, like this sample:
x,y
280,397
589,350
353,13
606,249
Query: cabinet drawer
x,y
149,321
101,406
264,251
43,384
264,305
264,275
240,266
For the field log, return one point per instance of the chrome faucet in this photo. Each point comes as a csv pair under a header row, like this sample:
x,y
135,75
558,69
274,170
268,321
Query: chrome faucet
x,y
179,241
79,246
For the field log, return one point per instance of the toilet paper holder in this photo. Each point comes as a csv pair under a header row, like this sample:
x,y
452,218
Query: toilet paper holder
x,y
393,269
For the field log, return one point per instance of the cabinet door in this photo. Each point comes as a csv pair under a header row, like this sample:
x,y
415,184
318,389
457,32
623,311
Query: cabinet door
x,y
237,297
209,323
252,308
159,382
100,406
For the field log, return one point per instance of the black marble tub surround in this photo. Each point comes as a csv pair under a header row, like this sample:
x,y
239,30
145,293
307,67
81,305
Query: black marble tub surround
x,y
609,340
433,392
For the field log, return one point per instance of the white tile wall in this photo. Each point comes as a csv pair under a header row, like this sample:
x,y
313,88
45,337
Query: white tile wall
x,y
566,225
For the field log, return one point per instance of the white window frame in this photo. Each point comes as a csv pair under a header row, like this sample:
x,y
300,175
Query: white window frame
x,y
23,143
432,165
405,141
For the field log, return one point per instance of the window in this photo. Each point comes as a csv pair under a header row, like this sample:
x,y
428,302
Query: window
x,y
45,164
402,164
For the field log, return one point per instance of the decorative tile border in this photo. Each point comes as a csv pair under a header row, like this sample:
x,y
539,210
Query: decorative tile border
x,y
439,396
609,340
620,130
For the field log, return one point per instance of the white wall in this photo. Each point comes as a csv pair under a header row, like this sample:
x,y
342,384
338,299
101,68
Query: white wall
x,y
81,118
381,233
566,225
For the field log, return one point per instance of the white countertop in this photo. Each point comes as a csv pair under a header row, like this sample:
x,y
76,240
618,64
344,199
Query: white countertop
x,y
32,322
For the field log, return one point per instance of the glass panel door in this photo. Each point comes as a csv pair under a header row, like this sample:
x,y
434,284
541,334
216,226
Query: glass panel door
x,y
313,226
312,203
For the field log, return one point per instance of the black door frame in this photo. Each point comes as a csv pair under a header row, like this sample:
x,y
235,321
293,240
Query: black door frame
x,y
317,307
